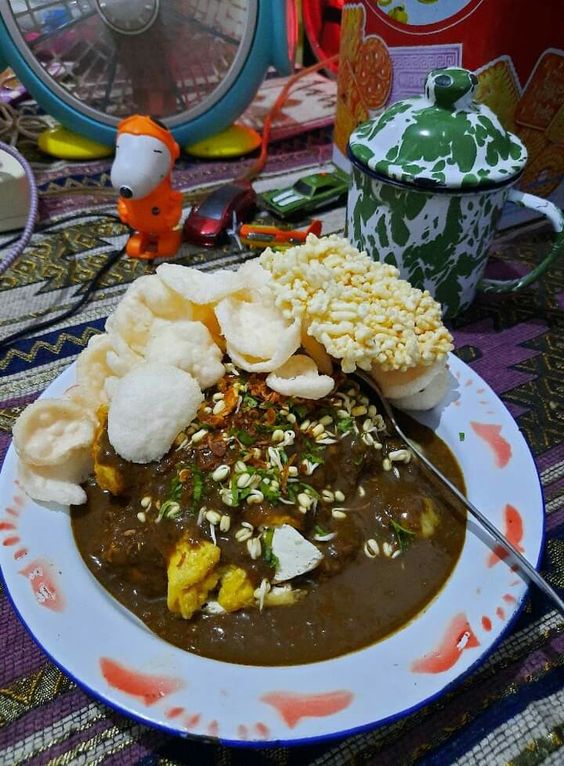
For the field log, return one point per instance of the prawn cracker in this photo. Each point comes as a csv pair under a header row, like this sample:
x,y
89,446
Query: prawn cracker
x,y
500,90
544,94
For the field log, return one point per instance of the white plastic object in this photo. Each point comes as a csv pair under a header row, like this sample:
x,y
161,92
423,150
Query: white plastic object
x,y
15,197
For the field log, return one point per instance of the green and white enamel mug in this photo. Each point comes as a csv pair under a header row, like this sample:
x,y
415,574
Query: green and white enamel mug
x,y
430,177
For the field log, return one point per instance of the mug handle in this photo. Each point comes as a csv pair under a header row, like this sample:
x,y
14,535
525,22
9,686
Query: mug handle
x,y
556,218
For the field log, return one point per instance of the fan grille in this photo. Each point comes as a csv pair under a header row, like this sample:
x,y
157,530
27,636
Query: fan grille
x,y
176,69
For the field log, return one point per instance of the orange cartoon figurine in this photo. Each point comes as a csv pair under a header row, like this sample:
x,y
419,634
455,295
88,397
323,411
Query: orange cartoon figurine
x,y
141,172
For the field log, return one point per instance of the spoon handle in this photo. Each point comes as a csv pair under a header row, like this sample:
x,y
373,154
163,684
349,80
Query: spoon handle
x,y
525,565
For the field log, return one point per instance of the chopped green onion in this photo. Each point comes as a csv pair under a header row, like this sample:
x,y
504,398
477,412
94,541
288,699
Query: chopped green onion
x,y
314,457
313,452
403,536
267,428
197,485
345,425
300,410
268,554
245,492
244,437
234,491
270,494
198,488
172,501
295,488
175,489
310,490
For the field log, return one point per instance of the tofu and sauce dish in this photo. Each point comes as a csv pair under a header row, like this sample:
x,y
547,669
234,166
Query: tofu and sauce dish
x,y
230,481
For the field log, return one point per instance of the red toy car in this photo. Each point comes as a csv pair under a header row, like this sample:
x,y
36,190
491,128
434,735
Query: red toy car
x,y
223,209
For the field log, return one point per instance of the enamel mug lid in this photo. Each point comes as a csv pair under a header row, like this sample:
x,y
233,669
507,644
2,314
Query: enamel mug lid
x,y
441,139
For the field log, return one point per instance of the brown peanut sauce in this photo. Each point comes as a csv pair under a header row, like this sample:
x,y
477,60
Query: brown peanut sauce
x,y
351,600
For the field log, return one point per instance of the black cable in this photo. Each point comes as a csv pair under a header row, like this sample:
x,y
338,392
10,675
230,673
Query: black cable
x,y
50,224
12,241
74,217
40,227
7,341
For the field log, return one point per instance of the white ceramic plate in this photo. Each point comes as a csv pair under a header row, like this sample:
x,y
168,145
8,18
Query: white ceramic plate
x,y
116,658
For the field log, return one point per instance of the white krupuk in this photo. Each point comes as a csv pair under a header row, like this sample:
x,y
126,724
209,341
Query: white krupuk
x,y
146,299
50,430
299,377
150,406
57,483
258,337
428,397
188,346
202,287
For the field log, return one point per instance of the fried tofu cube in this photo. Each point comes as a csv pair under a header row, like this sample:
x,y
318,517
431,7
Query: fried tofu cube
x,y
236,591
192,574
280,519
429,518
107,476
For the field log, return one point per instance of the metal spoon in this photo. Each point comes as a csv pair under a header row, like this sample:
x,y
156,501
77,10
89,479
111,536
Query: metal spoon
x,y
526,567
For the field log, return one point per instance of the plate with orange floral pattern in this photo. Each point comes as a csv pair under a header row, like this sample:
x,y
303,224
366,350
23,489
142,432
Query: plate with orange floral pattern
x,y
117,659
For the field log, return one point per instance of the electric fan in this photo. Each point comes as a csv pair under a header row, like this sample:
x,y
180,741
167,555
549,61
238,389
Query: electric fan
x,y
194,64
